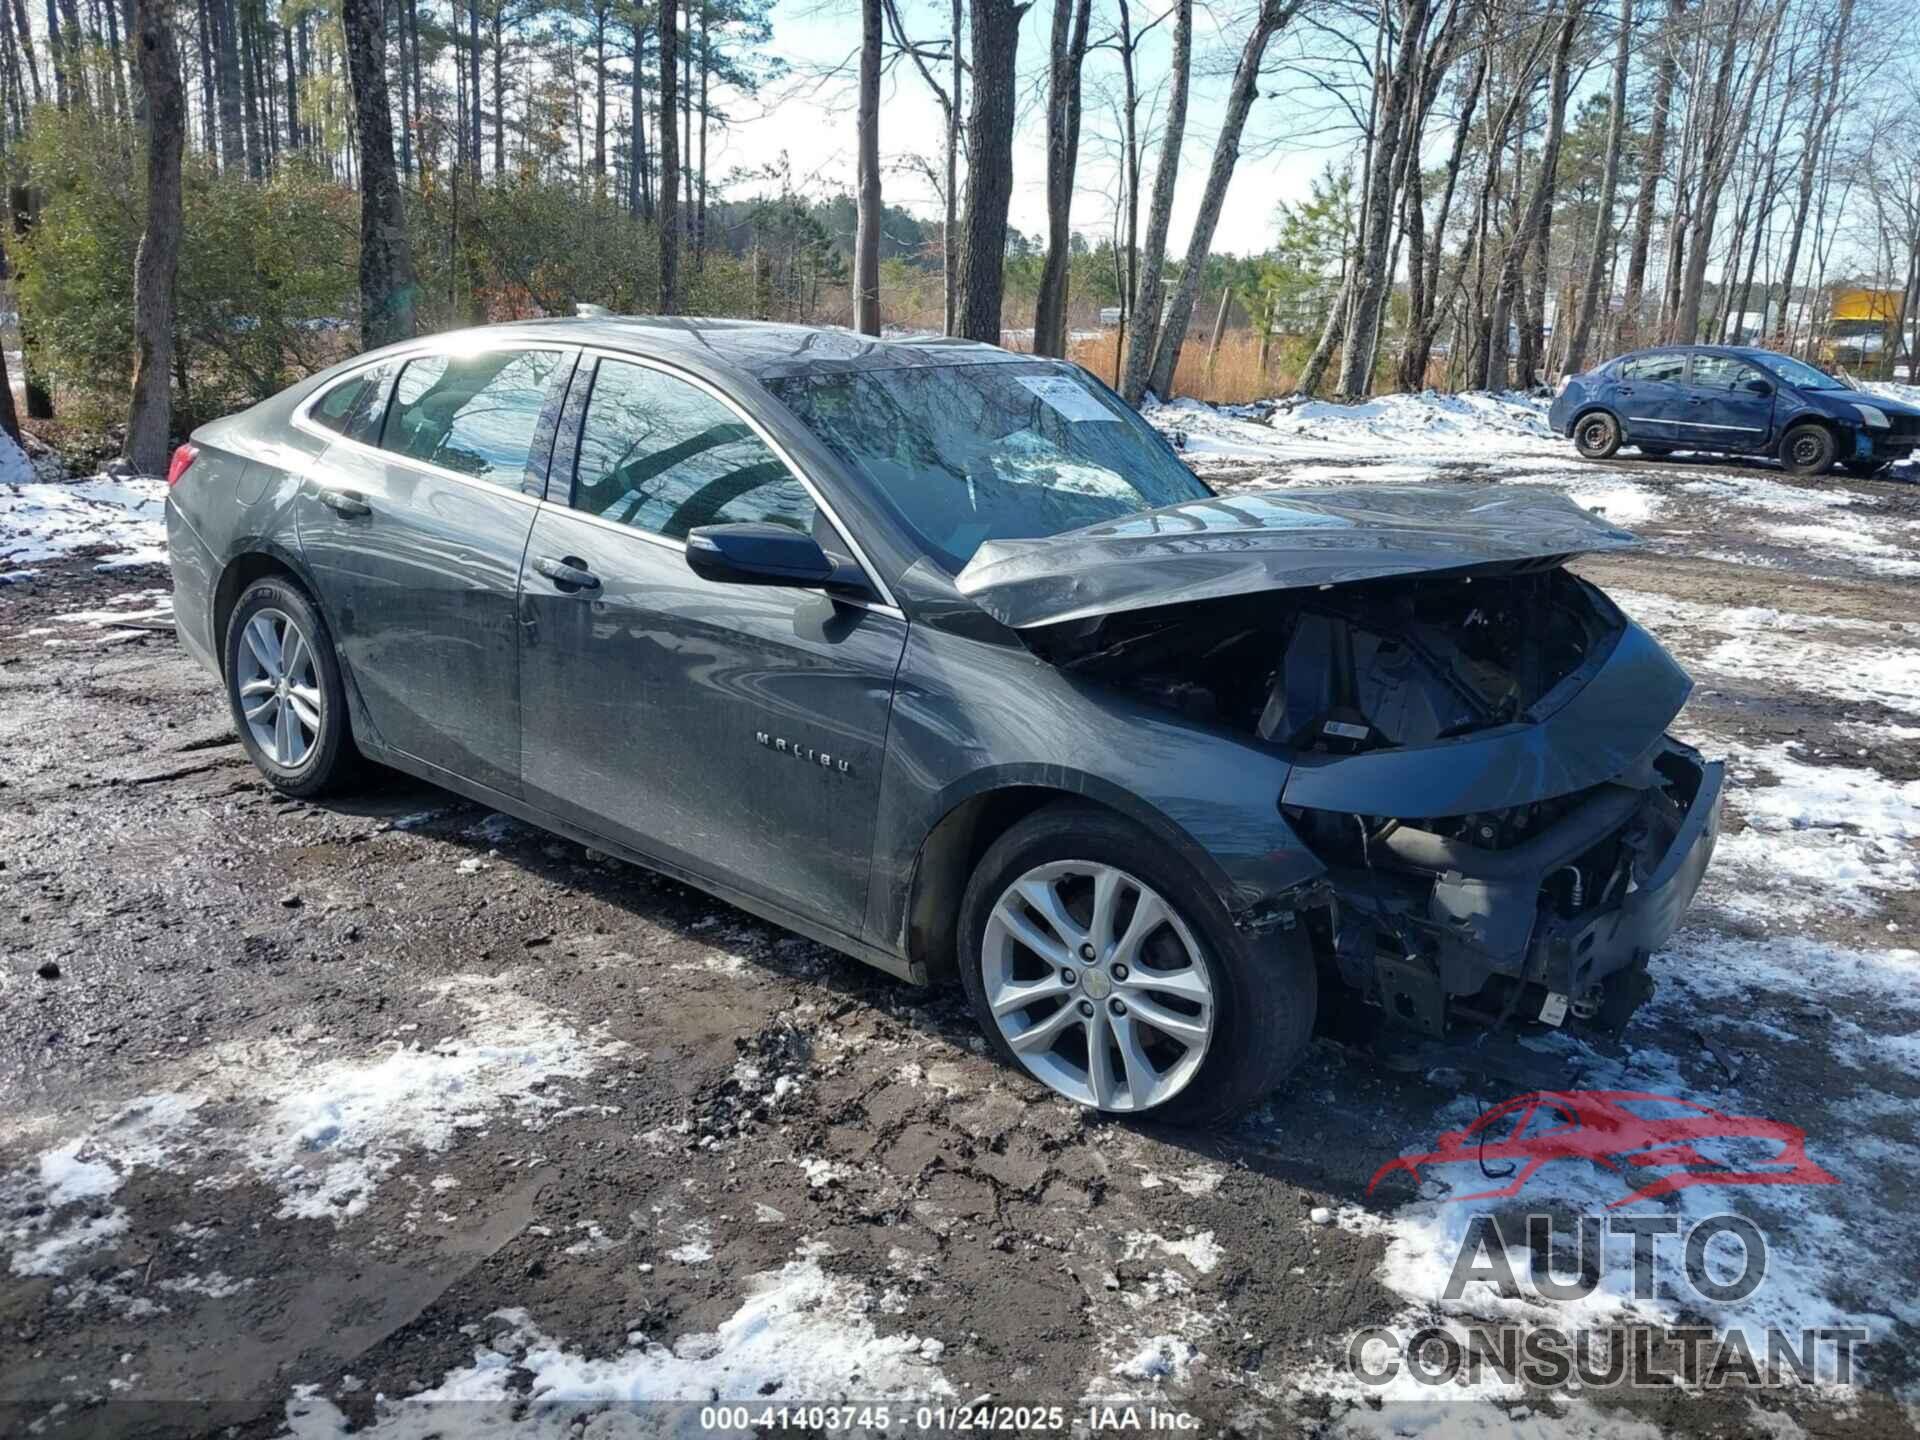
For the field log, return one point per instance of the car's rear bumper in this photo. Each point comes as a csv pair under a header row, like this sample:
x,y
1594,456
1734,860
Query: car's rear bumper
x,y
195,576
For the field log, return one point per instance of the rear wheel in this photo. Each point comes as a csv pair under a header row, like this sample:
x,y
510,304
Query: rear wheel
x,y
1809,450
284,687
1597,436
1103,968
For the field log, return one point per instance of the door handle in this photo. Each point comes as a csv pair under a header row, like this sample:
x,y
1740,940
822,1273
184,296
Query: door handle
x,y
569,574
345,502
1625,390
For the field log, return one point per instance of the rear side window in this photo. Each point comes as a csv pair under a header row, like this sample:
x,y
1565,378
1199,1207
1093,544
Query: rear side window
x,y
1664,369
355,406
666,457
474,414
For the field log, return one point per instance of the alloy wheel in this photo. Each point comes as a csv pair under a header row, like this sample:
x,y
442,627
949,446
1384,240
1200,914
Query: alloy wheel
x,y
279,687
1097,985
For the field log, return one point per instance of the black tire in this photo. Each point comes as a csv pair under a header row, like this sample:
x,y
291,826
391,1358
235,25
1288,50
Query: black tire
x,y
1808,450
1656,452
330,759
1264,987
1866,469
1597,436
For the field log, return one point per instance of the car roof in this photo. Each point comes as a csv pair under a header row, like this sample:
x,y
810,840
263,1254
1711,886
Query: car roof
x,y
1742,352
755,349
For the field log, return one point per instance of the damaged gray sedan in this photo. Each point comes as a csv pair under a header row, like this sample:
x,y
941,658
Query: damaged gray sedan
x,y
939,655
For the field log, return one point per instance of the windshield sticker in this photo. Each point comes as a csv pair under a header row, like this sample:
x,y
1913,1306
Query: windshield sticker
x,y
1068,398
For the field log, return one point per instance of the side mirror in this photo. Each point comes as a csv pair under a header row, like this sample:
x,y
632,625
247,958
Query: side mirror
x,y
762,554
1760,387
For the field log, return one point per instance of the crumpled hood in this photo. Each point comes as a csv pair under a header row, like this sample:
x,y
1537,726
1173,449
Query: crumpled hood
x,y
1276,540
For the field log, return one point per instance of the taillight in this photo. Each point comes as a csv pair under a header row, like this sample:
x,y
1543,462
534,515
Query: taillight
x,y
182,458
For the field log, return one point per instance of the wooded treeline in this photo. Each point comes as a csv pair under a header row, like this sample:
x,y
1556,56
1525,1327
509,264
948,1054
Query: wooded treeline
x,y
1518,187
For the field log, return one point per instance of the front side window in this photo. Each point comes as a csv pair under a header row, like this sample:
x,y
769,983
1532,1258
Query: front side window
x,y
1656,369
1722,372
964,454
472,413
355,405
1801,375
666,457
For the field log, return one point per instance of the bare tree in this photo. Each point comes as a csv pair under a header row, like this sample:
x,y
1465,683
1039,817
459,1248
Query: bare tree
x,y
1609,188
949,98
1273,17
386,259
1064,62
1653,163
668,208
866,240
1826,104
996,40
1143,329
149,413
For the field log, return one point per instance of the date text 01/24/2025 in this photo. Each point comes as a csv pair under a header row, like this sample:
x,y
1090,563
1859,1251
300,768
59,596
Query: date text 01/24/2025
x,y
978,1417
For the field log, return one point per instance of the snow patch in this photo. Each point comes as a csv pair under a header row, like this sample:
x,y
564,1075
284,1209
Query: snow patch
x,y
124,519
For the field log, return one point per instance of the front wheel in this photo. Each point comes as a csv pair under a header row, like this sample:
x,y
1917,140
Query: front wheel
x,y
1809,450
284,687
1103,968
1597,436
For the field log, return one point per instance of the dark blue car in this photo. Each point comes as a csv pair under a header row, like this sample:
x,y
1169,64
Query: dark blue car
x,y
1733,401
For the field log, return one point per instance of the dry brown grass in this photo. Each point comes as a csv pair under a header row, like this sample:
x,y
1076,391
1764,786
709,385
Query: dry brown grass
x,y
1234,377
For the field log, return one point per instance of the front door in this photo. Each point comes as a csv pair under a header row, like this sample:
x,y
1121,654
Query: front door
x,y
1652,397
415,535
1724,410
736,731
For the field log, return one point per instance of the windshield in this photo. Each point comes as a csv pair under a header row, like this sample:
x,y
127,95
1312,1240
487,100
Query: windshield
x,y
1801,375
970,453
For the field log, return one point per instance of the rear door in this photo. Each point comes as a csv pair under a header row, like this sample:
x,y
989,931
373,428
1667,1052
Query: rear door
x,y
1652,396
1723,410
414,526
734,730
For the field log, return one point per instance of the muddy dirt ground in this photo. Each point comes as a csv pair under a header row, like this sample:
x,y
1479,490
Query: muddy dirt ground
x,y
369,1073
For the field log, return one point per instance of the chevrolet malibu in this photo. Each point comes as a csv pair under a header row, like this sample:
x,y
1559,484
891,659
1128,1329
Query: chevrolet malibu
x,y
938,655
1733,401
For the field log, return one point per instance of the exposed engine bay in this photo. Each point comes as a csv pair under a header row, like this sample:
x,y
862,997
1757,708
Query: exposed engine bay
x,y
1350,668
1535,910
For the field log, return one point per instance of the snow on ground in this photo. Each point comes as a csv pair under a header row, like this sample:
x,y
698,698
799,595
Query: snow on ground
x,y
122,520
1851,660
800,1334
324,1132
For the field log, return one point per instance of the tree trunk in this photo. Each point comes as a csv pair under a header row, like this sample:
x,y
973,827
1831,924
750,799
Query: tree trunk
x,y
56,56
1143,325
639,176
1609,187
950,232
500,89
1273,16
24,202
866,239
669,206
293,92
1653,162
1068,55
226,70
1371,277
1826,104
250,95
473,85
996,40
149,413
1423,321
25,32
386,261
1533,214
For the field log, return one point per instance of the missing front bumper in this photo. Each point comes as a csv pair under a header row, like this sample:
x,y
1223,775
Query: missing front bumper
x,y
1436,931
